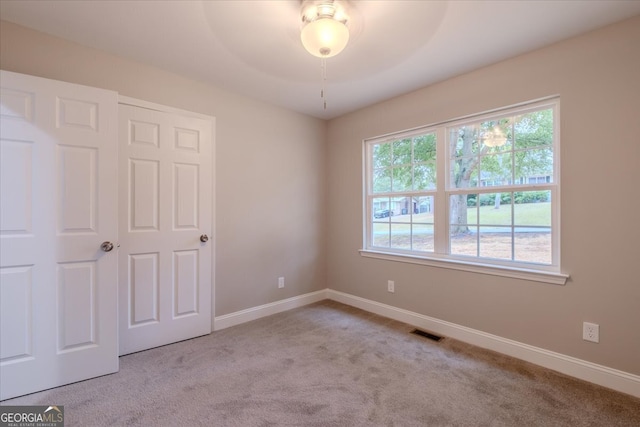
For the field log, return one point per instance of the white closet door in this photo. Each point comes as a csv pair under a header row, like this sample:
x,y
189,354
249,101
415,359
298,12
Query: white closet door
x,y
58,289
165,191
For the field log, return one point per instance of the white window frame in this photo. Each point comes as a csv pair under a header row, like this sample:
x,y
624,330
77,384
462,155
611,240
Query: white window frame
x,y
441,257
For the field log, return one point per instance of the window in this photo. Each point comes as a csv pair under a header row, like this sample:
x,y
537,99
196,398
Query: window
x,y
403,189
481,191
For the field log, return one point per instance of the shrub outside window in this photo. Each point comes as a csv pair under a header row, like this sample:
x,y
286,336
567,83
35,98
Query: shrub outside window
x,y
482,190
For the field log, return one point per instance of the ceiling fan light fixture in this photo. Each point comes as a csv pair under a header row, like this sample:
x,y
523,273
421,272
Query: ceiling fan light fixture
x,y
324,37
323,34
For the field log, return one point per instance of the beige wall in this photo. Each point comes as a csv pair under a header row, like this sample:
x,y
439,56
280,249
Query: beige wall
x,y
598,79
270,162
278,162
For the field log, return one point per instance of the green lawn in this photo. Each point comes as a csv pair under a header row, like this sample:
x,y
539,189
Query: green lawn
x,y
525,214
495,241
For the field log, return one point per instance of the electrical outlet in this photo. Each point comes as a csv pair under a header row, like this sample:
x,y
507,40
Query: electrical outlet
x,y
591,332
391,286
280,282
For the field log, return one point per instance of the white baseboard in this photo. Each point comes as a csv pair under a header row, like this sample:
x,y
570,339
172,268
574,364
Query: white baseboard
x,y
253,313
577,368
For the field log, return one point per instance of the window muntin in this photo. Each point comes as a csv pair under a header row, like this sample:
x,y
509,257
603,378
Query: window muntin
x,y
499,204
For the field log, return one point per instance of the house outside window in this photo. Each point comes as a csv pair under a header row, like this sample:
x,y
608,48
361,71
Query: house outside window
x,y
481,191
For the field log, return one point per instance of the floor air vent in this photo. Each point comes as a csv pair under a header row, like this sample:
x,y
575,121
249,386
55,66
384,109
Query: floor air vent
x,y
426,335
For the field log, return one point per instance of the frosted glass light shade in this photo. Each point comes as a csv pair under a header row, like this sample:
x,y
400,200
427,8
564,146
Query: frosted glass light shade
x,y
325,37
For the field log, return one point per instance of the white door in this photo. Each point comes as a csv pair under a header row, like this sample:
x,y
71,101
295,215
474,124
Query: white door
x,y
166,197
58,289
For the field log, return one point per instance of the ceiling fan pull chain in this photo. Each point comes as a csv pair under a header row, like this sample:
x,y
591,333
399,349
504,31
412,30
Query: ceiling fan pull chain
x,y
323,70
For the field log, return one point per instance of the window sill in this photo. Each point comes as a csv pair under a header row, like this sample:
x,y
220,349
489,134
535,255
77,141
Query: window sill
x,y
494,270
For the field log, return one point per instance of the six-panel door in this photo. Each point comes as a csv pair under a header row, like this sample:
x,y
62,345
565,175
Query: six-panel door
x,y
165,198
58,289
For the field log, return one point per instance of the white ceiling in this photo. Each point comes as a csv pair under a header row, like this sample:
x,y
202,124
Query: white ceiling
x,y
253,47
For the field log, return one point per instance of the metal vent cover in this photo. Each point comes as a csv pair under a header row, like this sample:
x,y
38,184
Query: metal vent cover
x,y
426,334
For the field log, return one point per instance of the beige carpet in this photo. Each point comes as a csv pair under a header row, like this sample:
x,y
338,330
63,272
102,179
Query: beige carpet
x,y
328,364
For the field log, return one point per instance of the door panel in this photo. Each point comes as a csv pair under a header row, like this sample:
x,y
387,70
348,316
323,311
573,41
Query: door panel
x,y
144,288
77,305
16,182
77,170
187,196
16,309
145,182
185,285
165,270
58,314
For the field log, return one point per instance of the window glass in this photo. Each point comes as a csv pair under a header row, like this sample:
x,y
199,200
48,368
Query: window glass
x,y
501,189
